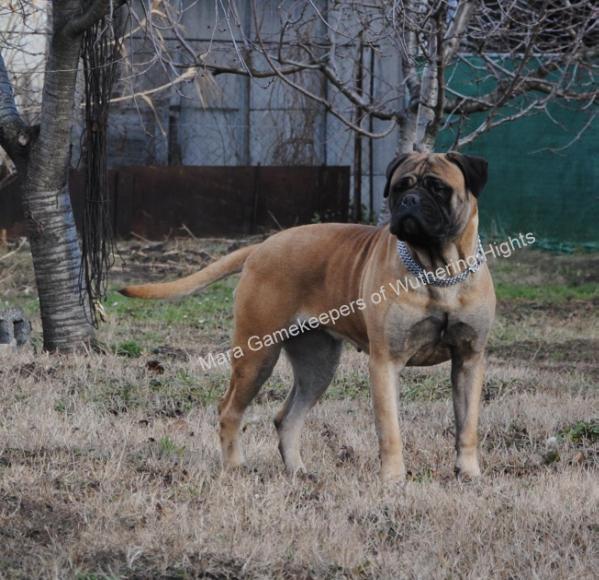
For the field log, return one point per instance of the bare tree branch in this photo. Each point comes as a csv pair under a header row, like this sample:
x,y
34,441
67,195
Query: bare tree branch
x,y
96,11
317,98
577,137
521,52
458,27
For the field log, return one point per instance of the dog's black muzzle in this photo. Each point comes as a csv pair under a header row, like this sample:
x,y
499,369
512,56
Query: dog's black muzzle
x,y
416,219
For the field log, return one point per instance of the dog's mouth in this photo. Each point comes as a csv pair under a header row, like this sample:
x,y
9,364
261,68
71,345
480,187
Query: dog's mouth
x,y
407,226
411,225
413,228
422,223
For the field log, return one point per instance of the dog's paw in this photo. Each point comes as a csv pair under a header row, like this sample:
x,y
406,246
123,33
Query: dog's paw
x,y
306,476
298,471
391,474
467,470
233,463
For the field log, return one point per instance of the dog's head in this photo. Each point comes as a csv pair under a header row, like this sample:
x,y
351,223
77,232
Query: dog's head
x,y
432,196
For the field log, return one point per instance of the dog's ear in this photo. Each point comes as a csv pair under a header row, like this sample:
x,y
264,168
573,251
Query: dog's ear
x,y
475,170
391,170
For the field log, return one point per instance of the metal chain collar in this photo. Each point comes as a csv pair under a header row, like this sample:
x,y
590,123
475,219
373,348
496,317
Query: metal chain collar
x,y
426,277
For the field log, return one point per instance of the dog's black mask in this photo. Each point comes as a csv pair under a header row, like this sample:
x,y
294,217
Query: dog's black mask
x,y
420,211
421,206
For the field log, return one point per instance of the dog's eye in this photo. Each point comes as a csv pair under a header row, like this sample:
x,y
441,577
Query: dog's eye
x,y
404,184
437,187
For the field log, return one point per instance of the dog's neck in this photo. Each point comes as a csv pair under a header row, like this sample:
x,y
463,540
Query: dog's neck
x,y
452,254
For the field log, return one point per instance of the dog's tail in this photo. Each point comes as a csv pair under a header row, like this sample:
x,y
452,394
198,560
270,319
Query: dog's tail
x,y
227,265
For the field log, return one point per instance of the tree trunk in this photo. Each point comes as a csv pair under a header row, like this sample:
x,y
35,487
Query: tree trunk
x,y
51,227
13,130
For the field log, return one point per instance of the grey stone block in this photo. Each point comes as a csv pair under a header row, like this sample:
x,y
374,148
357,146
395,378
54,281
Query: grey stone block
x,y
15,328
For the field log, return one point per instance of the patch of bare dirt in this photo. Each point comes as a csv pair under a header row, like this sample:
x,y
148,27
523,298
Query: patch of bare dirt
x,y
207,565
573,352
570,269
29,530
153,261
579,356
520,310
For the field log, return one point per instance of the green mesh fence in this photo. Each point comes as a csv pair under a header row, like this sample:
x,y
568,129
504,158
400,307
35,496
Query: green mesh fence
x,y
555,195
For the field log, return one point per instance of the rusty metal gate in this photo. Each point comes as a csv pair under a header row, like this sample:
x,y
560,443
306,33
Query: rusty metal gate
x,y
155,202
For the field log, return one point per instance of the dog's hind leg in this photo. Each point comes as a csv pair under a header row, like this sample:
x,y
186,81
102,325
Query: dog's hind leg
x,y
314,357
248,374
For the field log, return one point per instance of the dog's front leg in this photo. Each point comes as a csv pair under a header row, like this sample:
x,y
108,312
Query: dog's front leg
x,y
383,385
467,381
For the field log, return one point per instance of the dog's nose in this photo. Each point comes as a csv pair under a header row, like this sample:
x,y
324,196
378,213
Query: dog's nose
x,y
409,200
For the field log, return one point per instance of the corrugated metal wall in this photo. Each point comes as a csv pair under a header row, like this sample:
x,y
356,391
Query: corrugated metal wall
x,y
235,120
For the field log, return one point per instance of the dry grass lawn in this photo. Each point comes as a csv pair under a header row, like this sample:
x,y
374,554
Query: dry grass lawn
x,y
109,463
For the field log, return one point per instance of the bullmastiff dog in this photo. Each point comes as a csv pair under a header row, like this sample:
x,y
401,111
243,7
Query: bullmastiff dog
x,y
415,292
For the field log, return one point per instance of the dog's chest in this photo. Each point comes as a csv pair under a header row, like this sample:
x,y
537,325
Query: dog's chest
x,y
425,338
